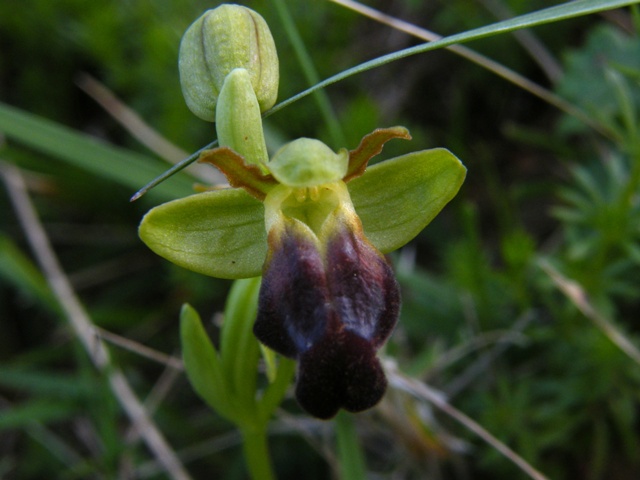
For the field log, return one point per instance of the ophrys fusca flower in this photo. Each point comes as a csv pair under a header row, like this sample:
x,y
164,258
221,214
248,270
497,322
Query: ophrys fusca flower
x,y
315,224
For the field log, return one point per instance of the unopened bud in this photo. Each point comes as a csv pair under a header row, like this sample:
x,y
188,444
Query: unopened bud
x,y
238,121
221,40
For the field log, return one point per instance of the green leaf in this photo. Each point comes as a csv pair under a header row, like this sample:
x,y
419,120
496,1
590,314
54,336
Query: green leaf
x,y
203,366
276,390
270,362
45,383
17,269
397,198
127,168
607,49
219,233
239,351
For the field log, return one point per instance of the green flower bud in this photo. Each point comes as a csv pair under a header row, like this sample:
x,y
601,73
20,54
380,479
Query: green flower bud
x,y
238,120
221,40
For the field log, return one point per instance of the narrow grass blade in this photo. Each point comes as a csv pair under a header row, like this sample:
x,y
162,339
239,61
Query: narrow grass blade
x,y
172,171
45,411
553,14
18,270
106,161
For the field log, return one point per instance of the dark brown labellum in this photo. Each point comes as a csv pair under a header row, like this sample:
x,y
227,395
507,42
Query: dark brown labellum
x,y
331,311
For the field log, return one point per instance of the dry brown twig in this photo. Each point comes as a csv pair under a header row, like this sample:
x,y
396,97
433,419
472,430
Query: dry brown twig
x,y
576,294
481,60
141,350
422,391
82,325
141,131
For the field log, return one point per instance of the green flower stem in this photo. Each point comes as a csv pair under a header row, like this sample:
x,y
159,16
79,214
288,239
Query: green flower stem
x,y
352,465
256,453
226,380
274,394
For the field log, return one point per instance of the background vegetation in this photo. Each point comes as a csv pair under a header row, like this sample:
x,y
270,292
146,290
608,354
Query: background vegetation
x,y
521,300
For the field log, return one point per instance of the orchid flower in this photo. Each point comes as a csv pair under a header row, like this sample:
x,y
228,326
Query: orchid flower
x,y
315,224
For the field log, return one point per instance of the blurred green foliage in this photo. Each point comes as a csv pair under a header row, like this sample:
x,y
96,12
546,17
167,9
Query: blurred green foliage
x,y
481,320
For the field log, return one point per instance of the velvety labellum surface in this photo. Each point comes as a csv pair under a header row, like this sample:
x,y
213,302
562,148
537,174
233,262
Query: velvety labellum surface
x,y
330,305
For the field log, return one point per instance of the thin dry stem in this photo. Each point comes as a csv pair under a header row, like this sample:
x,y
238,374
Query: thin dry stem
x,y
83,326
481,60
141,131
439,400
141,350
51,441
579,298
485,360
528,40
156,396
